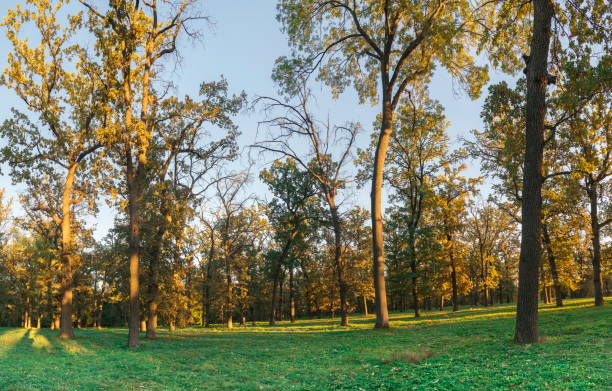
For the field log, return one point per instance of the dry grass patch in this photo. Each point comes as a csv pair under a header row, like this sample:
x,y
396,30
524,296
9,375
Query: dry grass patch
x,y
409,356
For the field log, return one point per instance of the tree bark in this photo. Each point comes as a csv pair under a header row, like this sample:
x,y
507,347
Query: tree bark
x,y
66,330
537,79
134,175
595,239
378,245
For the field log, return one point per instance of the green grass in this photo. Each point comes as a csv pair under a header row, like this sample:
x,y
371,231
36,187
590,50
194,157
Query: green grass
x,y
468,350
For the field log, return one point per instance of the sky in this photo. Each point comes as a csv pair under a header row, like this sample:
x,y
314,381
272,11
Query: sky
x,y
241,42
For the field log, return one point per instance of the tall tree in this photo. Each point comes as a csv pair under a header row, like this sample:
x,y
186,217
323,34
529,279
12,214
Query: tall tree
x,y
328,154
419,150
132,40
69,109
379,45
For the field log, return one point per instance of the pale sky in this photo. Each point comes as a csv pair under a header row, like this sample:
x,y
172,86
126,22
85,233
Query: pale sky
x,y
242,44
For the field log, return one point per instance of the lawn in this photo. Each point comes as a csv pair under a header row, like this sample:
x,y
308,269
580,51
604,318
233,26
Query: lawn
x,y
467,350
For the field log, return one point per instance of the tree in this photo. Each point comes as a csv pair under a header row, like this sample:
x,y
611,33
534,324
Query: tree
x,y
391,45
68,105
419,150
538,79
180,160
325,166
132,40
452,195
590,143
294,204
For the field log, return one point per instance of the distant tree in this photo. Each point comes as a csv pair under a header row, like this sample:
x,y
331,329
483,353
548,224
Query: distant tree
x,y
293,205
452,194
589,138
326,159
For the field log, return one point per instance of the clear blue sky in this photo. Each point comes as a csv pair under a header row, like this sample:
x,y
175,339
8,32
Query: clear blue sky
x,y
242,44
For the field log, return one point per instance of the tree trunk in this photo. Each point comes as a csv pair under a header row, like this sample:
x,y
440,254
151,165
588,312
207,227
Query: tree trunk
x,y
595,228
280,312
228,297
291,297
26,314
413,269
365,306
99,317
545,294
552,263
276,276
134,177
338,259
378,245
66,330
209,268
485,276
153,288
453,275
537,79
151,326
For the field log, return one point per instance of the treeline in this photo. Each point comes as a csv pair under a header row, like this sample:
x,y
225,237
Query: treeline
x,y
192,246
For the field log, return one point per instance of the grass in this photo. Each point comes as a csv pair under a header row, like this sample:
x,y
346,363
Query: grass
x,y
468,350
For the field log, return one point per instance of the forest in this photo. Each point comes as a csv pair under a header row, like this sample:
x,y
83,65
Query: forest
x,y
311,250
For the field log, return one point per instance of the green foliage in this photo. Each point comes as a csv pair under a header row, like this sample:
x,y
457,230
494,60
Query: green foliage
x,y
468,350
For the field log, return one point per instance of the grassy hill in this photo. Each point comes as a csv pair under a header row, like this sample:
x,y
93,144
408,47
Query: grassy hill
x,y
467,350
